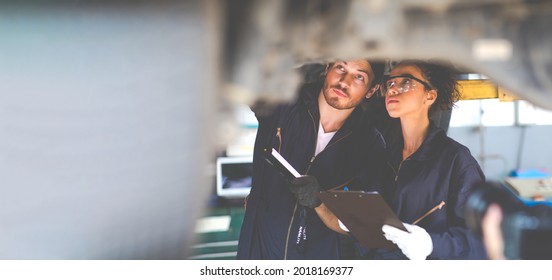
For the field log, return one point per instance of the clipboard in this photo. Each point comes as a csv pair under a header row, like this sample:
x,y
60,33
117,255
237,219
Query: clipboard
x,y
281,164
363,213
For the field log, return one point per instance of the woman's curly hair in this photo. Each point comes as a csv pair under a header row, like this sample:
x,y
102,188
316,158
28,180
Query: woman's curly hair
x,y
442,77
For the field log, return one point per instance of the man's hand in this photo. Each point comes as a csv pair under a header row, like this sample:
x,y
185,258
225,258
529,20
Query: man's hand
x,y
415,244
306,189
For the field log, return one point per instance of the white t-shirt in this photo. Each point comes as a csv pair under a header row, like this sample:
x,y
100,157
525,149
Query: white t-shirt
x,y
323,139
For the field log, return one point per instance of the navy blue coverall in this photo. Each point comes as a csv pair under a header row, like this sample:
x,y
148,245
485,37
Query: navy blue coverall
x,y
270,226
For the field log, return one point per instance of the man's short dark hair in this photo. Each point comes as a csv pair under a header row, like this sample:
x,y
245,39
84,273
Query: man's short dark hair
x,y
314,72
378,67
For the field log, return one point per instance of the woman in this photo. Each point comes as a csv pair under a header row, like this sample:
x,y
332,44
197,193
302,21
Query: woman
x,y
425,167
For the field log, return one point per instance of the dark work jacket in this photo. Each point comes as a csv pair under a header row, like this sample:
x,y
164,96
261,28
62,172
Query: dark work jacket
x,y
270,226
440,170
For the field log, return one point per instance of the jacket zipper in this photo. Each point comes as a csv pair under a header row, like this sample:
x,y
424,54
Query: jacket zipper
x,y
279,135
295,209
337,141
314,133
398,170
289,231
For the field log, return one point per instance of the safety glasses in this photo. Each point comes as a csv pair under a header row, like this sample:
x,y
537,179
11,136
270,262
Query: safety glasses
x,y
402,84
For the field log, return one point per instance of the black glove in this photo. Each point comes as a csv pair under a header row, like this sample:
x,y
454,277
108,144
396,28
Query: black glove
x,y
306,189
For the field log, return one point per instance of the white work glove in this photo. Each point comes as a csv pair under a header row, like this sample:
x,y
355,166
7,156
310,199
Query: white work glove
x,y
415,244
342,226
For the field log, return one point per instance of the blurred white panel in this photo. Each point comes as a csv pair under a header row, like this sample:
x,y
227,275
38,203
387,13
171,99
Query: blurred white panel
x,y
104,130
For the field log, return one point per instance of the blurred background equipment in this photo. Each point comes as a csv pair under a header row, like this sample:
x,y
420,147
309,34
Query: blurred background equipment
x,y
526,230
234,176
114,112
506,40
106,117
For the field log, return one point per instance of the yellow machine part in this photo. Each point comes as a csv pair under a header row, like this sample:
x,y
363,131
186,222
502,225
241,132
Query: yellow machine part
x,y
483,89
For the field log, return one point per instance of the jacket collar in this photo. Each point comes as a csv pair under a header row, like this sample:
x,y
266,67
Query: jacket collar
x,y
309,98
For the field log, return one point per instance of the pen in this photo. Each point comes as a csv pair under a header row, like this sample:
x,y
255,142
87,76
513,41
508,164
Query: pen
x,y
437,207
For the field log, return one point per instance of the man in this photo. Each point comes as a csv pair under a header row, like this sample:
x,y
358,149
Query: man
x,y
324,134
